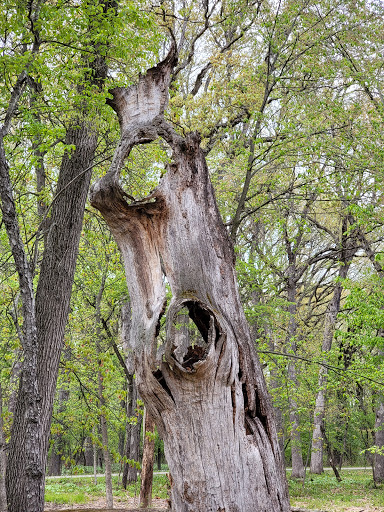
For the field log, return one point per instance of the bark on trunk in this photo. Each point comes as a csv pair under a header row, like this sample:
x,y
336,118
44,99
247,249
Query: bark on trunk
x,y
210,404
148,462
102,405
27,416
52,306
379,442
94,456
3,459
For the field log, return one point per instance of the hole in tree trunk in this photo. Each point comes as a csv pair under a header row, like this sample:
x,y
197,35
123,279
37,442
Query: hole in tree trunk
x,y
193,330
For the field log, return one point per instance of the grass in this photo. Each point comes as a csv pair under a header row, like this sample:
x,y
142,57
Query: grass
x,y
325,493
70,491
319,492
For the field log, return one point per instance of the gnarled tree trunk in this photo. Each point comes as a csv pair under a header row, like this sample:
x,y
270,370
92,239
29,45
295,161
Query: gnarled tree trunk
x,y
209,400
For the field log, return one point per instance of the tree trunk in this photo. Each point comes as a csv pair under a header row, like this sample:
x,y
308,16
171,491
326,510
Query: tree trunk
x,y
106,455
52,306
102,405
211,404
159,458
318,416
3,459
132,445
148,462
379,442
94,456
88,451
45,317
56,458
298,470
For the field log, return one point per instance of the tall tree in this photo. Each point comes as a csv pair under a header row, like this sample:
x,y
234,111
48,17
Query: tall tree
x,y
45,316
230,458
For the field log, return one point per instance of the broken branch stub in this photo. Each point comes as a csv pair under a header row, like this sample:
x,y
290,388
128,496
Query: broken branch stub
x,y
142,103
205,389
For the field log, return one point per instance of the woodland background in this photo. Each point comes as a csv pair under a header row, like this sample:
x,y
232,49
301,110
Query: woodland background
x,y
288,99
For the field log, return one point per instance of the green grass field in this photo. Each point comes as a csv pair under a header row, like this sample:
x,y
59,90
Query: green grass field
x,y
323,492
320,492
69,491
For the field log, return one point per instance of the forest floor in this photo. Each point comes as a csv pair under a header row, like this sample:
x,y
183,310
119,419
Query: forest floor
x,y
356,493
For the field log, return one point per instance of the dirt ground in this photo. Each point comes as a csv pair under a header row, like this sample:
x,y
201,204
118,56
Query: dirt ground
x,y
128,504
131,504
158,505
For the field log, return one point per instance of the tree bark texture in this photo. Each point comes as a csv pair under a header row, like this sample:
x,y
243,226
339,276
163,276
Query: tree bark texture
x,y
209,402
52,306
147,462
379,442
3,459
28,407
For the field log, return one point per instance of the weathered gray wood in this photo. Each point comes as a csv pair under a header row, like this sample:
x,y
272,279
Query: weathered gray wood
x,y
210,404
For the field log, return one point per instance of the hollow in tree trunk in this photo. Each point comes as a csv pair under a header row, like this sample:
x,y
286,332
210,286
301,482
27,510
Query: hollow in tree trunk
x,y
209,400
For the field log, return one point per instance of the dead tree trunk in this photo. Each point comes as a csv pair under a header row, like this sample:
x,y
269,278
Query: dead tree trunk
x,y
209,402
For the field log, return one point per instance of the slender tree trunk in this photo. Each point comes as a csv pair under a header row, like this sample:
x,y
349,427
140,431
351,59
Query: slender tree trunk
x,y
298,469
105,441
148,462
56,458
88,451
94,445
132,445
102,404
379,442
24,464
211,405
378,461
3,459
318,417
44,318
159,458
